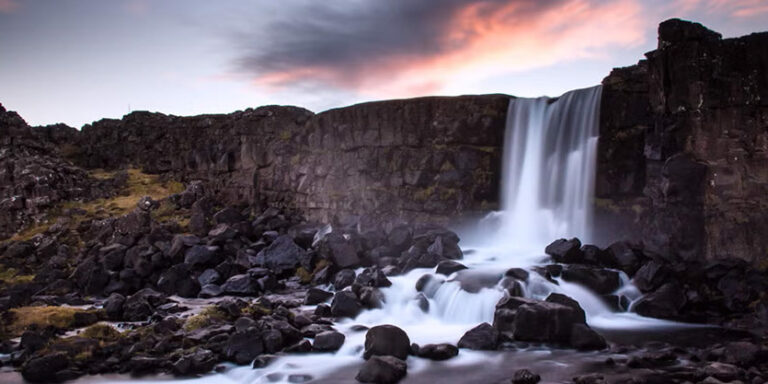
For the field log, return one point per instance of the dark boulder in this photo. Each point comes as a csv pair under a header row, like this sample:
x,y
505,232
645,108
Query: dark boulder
x,y
620,255
666,302
209,276
177,280
343,279
44,369
482,337
200,255
372,277
316,296
445,248
447,267
382,370
559,298
302,346
328,341
565,251
282,256
345,304
438,352
524,376
400,238
600,281
242,347
141,305
339,250
240,285
386,340
651,276
545,322
210,290
585,338
197,362
113,306
228,216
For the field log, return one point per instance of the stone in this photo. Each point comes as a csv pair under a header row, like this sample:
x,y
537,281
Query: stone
x,y
343,279
340,251
328,341
43,369
447,267
243,347
200,255
545,322
345,304
386,340
198,362
666,302
240,285
438,352
228,216
565,251
482,337
585,338
382,370
113,306
177,280
316,296
524,376
598,280
209,276
651,276
282,256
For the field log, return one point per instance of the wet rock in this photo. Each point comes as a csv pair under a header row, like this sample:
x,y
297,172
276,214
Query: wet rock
x,y
445,248
524,376
210,290
240,285
139,365
343,279
559,298
592,378
177,280
483,337
600,281
382,370
328,341
666,302
621,255
316,296
198,362
585,338
517,273
400,238
200,255
303,346
141,305
651,276
722,371
340,251
209,276
386,340
372,277
447,267
242,347
44,369
438,352
565,251
345,304
113,306
228,216
33,340
545,322
282,256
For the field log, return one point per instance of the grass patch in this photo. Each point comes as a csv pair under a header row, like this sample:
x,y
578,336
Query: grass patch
x,y
59,317
206,317
101,332
12,276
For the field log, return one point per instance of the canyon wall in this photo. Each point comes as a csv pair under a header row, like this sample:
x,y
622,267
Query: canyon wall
x,y
684,144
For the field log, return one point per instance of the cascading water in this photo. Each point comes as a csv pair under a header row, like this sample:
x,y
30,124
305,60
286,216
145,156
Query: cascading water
x,y
548,177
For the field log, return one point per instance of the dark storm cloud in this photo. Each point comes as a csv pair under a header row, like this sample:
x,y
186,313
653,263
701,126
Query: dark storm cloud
x,y
355,39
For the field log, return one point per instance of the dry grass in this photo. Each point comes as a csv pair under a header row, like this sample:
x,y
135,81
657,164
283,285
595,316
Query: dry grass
x,y
206,317
101,332
138,185
12,276
59,317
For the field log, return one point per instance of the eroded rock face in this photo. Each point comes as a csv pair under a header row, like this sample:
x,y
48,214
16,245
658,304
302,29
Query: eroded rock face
x,y
683,150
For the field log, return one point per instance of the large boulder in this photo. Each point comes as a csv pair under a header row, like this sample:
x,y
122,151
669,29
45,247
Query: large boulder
x,y
328,341
200,255
666,302
177,280
345,304
438,352
482,337
339,250
44,369
622,256
387,340
240,285
243,347
565,251
600,281
545,322
382,370
282,256
197,362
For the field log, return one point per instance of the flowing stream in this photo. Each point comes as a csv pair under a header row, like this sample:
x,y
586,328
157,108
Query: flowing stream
x,y
548,177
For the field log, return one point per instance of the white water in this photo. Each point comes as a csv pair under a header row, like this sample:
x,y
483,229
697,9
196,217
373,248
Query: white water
x,y
549,169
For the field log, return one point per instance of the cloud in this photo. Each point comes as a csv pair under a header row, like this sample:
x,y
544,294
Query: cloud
x,y
733,8
8,6
402,48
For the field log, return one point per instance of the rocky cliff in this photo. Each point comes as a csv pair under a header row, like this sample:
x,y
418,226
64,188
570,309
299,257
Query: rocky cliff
x,y
684,140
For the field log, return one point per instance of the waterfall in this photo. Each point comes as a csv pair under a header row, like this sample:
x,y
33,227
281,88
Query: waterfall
x,y
550,151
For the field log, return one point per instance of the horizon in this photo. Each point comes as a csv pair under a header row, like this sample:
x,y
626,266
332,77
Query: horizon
x,y
76,62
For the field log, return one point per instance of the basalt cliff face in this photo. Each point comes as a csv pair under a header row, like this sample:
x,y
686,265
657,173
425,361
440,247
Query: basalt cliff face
x,y
682,153
684,144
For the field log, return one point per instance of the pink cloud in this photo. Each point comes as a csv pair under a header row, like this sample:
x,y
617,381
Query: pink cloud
x,y
485,40
8,6
733,8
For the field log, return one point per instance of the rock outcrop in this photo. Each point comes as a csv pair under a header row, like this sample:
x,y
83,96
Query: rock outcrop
x,y
684,143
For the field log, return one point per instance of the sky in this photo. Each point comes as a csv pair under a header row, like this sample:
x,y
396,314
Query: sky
x,y
77,61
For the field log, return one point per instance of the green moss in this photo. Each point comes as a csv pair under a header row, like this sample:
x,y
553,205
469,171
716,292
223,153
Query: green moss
x,y
59,317
101,332
12,276
206,317
304,275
